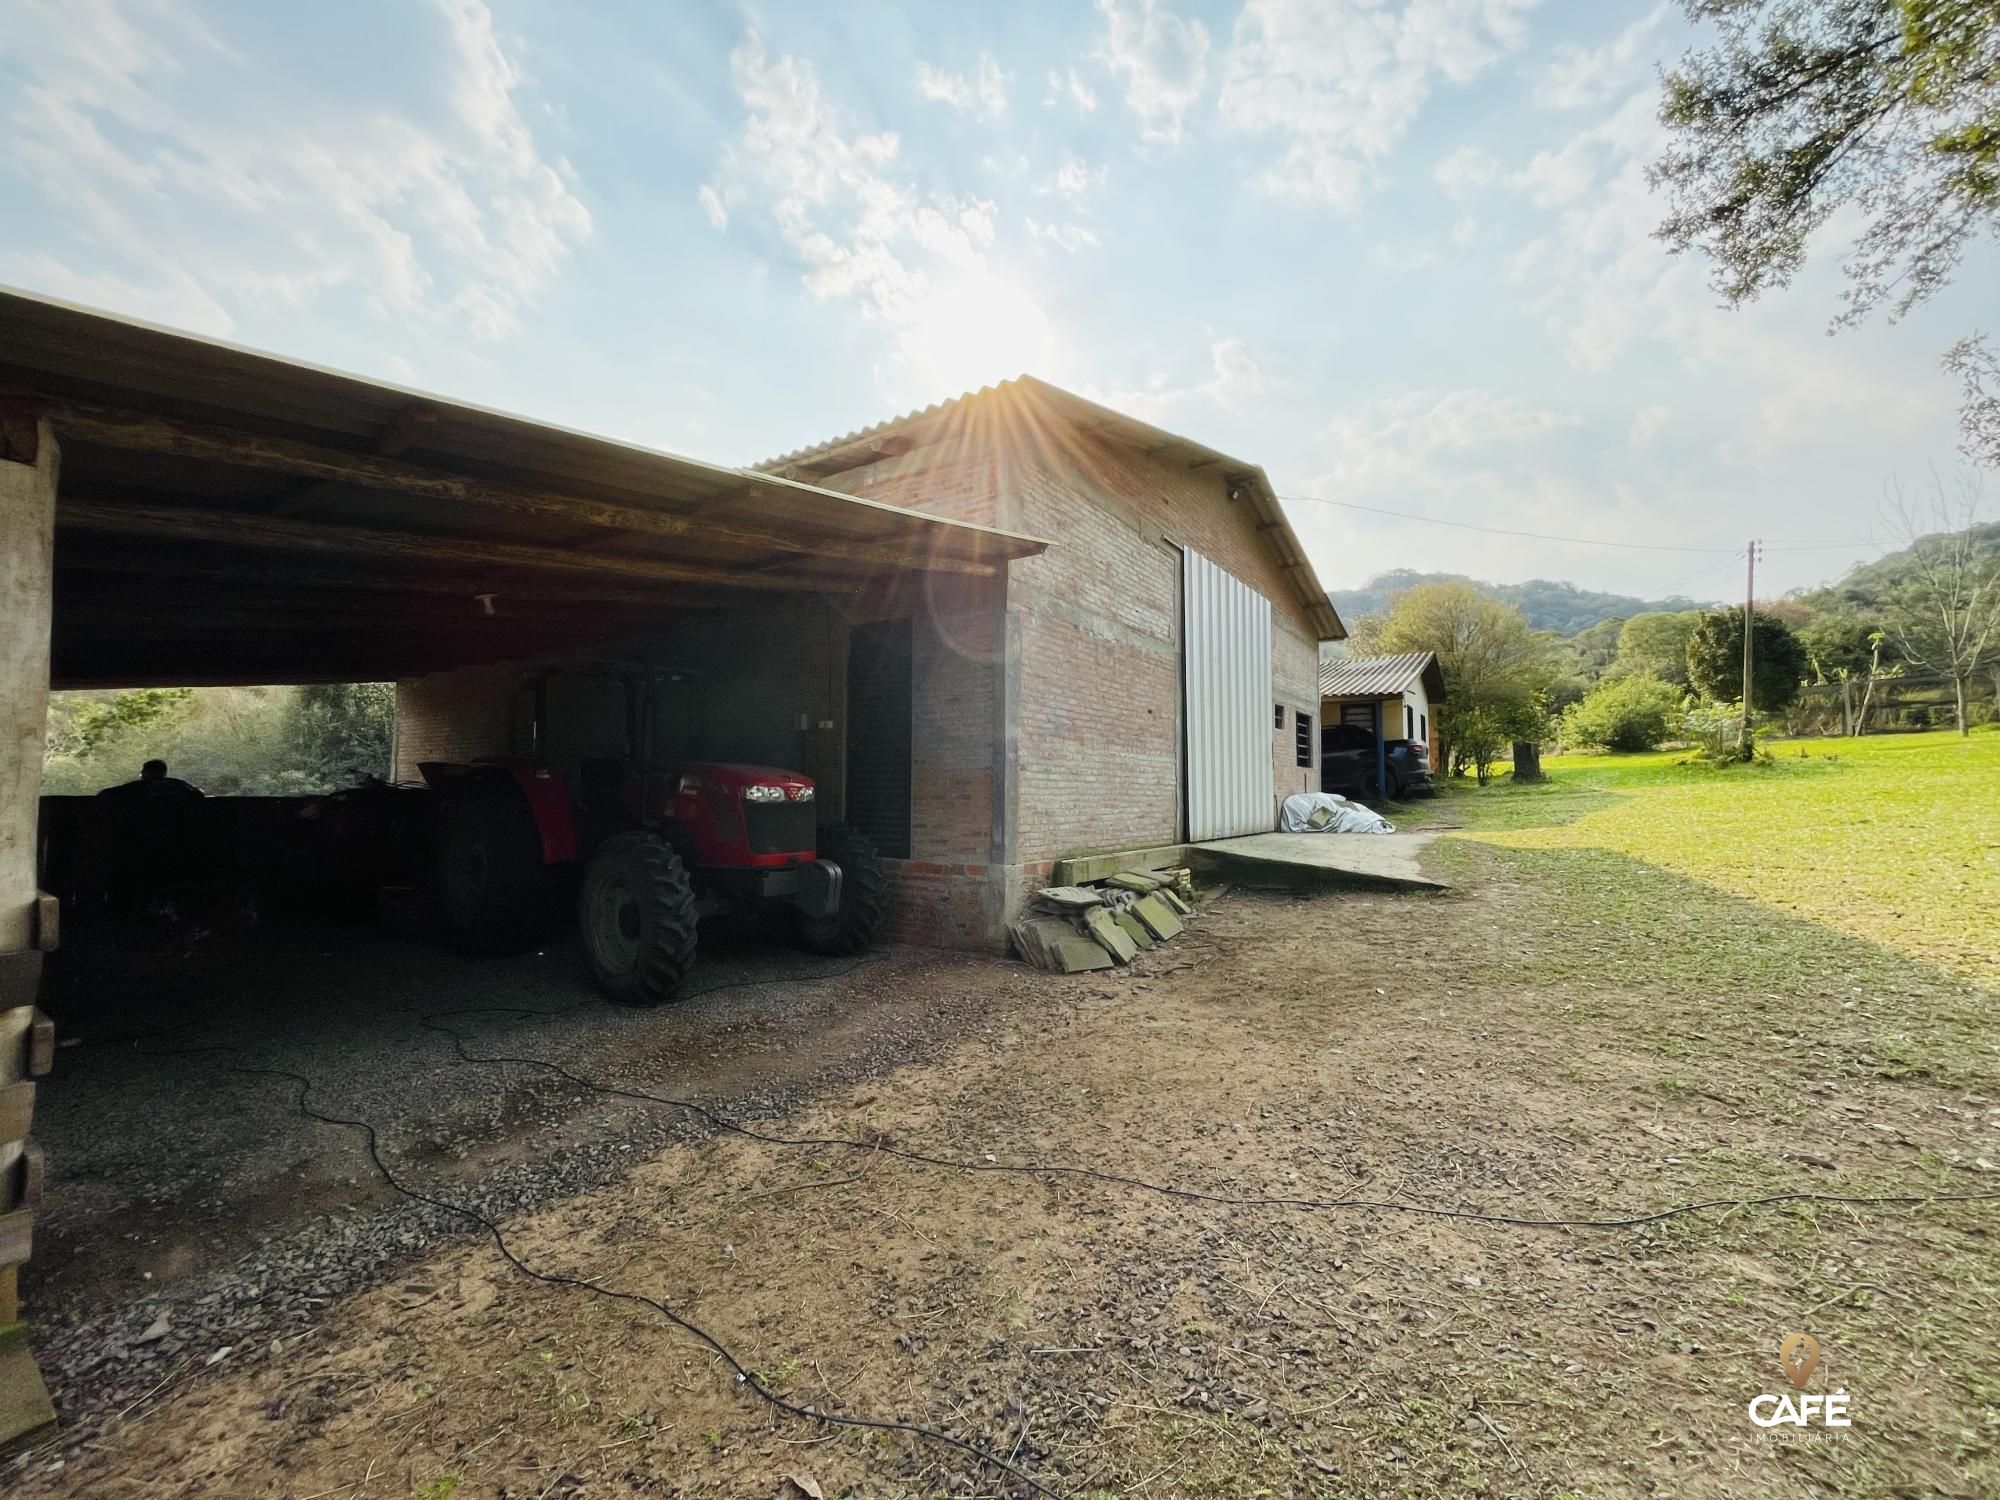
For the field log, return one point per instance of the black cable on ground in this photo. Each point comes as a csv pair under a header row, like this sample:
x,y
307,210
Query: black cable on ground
x,y
433,1022
744,1374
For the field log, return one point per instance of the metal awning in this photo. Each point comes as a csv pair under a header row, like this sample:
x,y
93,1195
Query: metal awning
x,y
228,516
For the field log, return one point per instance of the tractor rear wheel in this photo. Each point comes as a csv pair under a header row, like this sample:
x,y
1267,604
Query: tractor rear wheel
x,y
494,890
638,919
854,925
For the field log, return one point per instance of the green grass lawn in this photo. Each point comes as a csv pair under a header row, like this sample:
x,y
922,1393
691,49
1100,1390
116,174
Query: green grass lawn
x,y
1893,838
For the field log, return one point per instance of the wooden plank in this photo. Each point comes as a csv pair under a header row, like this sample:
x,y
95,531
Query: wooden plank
x,y
279,535
147,434
17,1236
17,1110
21,1044
41,1043
292,576
24,1399
23,1170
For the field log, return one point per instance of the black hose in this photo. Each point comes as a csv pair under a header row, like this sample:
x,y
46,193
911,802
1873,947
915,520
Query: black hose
x,y
432,1022
744,1374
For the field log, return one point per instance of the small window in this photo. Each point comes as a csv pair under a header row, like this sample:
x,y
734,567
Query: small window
x,y
1278,722
1305,739
1409,722
1424,728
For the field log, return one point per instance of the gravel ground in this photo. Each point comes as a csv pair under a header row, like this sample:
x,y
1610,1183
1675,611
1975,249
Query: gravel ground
x,y
193,1212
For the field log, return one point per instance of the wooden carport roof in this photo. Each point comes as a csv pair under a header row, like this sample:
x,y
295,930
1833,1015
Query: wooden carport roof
x,y
227,516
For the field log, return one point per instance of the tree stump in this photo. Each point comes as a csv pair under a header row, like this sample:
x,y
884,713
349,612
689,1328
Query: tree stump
x,y
1528,761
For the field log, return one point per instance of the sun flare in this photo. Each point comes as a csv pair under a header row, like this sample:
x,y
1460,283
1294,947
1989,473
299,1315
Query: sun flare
x,y
978,330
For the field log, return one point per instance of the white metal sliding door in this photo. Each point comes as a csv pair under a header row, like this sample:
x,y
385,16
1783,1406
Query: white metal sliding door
x,y
1226,682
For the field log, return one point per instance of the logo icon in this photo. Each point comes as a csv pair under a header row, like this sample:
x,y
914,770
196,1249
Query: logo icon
x,y
1798,1357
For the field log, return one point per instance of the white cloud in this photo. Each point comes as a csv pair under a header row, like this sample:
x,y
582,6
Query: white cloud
x,y
1341,81
1484,457
1465,170
1394,437
1584,77
1604,285
1404,260
1235,379
1648,422
146,135
1075,179
1066,84
1554,178
915,260
1068,238
981,93
1162,59
713,206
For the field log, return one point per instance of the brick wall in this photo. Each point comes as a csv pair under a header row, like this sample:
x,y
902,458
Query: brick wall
x,y
1078,691
1100,648
752,673
455,716
955,475
1294,683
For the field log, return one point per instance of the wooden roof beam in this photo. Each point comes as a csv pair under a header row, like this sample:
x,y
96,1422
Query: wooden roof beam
x,y
269,533
135,432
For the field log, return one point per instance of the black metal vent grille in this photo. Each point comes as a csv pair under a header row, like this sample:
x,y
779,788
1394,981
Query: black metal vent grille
x,y
780,827
878,734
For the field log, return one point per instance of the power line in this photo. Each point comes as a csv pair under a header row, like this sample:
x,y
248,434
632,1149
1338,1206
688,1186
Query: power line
x,y
1545,536
1538,536
1702,572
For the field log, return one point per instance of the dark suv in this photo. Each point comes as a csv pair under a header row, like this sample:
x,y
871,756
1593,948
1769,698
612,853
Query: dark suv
x,y
1347,764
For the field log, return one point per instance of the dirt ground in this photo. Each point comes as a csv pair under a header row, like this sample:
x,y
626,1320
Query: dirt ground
x,y
1494,1049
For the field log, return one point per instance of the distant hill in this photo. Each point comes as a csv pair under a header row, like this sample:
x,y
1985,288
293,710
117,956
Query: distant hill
x,y
1870,583
1560,607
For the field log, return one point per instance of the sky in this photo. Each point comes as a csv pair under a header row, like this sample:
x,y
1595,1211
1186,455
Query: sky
x,y
1399,252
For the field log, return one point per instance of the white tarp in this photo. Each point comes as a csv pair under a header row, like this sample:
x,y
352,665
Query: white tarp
x,y
1329,812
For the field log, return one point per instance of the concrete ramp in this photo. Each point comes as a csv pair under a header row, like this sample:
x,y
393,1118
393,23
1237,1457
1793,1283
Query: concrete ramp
x,y
1311,861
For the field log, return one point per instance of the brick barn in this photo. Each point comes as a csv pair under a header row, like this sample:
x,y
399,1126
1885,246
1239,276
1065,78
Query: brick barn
x,y
1150,678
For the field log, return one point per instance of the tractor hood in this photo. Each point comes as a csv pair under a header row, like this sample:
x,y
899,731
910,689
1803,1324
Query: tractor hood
x,y
735,775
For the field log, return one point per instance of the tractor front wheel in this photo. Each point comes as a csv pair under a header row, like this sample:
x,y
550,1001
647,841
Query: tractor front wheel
x,y
853,926
638,919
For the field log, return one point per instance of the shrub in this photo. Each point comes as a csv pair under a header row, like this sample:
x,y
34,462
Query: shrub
x,y
1623,713
1715,730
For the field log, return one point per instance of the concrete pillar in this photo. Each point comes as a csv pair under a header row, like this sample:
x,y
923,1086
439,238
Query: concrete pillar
x,y
27,919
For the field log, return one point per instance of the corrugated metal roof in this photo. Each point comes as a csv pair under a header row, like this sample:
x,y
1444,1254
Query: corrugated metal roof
x,y
897,433
1372,676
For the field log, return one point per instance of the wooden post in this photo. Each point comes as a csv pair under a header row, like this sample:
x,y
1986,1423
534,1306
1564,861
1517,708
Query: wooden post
x,y
1749,634
27,918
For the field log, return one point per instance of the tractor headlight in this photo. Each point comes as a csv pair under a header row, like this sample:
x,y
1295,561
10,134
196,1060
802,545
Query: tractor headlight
x,y
802,794
763,794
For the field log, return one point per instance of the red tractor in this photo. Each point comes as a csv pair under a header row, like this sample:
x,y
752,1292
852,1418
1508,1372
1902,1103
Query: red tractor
x,y
648,851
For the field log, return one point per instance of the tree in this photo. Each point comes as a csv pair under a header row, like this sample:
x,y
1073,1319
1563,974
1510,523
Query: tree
x,y
1634,712
80,724
1947,620
1715,660
341,729
1496,670
1578,662
1803,108
1839,645
1655,644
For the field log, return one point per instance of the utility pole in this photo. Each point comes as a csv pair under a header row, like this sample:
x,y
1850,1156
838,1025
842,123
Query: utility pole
x,y
1745,747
